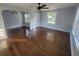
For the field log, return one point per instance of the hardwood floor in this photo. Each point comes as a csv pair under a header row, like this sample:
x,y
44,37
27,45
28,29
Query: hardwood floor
x,y
38,42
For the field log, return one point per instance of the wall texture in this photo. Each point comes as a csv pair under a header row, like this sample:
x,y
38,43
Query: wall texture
x,y
64,19
12,20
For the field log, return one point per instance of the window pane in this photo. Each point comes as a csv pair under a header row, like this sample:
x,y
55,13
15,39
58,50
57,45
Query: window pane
x,y
27,16
51,18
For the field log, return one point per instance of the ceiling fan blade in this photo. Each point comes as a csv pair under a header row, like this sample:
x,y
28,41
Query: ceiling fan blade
x,y
45,8
42,6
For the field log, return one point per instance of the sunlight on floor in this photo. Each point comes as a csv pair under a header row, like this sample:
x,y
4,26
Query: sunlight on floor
x,y
1,33
3,45
50,36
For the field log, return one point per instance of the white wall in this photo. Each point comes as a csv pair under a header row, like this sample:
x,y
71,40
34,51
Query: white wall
x,y
2,25
64,19
74,50
75,35
12,20
35,19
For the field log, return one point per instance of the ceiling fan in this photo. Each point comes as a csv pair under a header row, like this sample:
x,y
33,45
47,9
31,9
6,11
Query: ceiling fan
x,y
39,7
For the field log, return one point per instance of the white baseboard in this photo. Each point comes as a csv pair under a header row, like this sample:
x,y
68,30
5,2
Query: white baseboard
x,y
58,28
13,27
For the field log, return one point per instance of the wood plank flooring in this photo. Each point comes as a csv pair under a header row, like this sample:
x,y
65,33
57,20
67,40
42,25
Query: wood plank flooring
x,y
38,42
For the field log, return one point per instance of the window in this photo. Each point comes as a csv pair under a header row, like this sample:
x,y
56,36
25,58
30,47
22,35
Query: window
x,y
51,18
27,17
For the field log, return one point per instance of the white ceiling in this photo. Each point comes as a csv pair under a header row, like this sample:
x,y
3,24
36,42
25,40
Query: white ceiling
x,y
51,6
